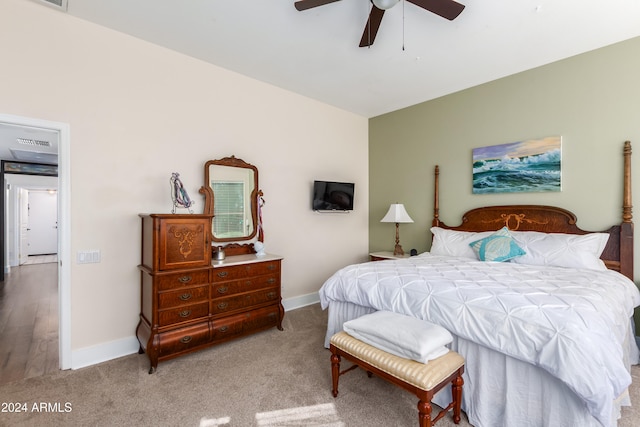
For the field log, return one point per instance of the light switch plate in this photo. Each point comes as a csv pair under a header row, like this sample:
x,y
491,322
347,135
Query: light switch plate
x,y
89,257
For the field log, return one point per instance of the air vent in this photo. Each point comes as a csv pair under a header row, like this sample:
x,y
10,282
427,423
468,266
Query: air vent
x,y
34,142
58,4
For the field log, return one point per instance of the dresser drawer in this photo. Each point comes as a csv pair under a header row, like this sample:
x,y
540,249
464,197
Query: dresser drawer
x,y
244,285
227,327
182,297
182,314
245,270
246,300
180,340
166,282
262,318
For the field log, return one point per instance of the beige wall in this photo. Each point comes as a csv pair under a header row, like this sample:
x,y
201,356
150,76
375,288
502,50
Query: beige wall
x,y
138,112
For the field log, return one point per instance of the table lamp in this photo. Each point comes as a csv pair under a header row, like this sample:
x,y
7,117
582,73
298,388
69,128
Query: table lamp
x,y
397,213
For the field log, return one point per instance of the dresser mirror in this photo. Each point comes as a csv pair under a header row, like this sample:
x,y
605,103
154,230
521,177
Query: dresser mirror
x,y
231,194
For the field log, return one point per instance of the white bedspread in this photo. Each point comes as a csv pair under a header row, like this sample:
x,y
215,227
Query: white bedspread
x,y
571,323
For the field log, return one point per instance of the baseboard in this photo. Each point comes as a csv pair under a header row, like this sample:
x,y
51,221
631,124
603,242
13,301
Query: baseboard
x,y
301,301
93,355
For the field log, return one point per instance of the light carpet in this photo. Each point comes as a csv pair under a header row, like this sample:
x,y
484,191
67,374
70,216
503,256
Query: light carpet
x,y
273,378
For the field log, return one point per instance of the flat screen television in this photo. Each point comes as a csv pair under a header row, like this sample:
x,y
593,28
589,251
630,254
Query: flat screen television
x,y
333,196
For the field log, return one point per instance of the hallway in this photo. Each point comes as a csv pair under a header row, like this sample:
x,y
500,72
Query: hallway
x,y
29,321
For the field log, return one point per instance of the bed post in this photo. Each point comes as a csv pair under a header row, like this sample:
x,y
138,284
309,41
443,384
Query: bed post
x,y
626,228
436,201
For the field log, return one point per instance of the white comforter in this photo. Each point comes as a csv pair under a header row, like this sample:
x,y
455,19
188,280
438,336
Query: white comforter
x,y
570,322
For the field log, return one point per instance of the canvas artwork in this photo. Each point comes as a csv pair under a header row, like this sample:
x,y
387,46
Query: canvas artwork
x,y
533,165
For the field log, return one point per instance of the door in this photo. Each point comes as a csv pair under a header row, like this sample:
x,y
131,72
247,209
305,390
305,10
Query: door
x,y
23,225
43,222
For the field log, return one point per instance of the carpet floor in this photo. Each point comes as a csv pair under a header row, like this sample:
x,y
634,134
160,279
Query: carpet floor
x,y
273,378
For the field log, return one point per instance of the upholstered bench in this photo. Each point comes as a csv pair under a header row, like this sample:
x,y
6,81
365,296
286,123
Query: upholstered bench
x,y
422,379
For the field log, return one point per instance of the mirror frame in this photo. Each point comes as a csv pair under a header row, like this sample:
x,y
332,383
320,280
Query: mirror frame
x,y
232,247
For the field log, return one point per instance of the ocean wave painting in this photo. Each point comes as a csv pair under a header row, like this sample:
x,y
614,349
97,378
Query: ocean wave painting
x,y
527,166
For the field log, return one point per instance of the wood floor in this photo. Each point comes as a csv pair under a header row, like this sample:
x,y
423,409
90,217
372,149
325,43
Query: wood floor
x,y
29,322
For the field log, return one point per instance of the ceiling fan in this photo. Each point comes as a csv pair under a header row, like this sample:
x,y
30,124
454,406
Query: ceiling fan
x,y
448,9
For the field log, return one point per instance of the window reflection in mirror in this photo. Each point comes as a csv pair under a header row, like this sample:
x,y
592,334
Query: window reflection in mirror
x,y
232,188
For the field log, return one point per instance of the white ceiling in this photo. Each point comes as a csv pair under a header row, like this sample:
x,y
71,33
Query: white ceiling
x,y
315,52
417,55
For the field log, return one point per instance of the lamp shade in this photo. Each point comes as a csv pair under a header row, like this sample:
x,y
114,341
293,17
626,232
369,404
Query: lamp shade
x,y
397,213
384,4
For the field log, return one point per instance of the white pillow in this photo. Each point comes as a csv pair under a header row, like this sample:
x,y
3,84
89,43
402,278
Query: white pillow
x,y
561,250
404,336
455,243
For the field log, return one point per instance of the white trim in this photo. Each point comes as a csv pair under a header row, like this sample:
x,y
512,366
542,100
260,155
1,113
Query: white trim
x,y
301,301
64,228
103,352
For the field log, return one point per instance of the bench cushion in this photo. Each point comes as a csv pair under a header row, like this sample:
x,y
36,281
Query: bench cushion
x,y
404,336
421,375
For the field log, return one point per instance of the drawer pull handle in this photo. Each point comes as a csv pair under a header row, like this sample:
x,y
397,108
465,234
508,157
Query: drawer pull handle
x,y
223,289
272,295
223,274
185,297
224,329
271,280
271,315
184,279
223,305
185,313
271,267
185,339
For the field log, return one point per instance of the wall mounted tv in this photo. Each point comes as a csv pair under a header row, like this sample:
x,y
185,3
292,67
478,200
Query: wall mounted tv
x,y
333,196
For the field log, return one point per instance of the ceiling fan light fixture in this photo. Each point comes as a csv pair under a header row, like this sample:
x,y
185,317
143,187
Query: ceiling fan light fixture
x,y
385,4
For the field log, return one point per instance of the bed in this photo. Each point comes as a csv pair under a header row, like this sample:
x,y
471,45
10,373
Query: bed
x,y
547,336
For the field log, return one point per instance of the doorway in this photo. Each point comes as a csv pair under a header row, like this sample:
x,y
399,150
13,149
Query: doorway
x,y
63,226
30,217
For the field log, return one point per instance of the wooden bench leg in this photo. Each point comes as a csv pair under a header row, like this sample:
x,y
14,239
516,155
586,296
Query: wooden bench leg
x,y
335,373
424,413
456,392
425,408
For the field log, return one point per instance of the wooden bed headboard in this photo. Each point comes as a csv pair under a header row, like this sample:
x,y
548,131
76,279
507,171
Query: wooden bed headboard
x,y
617,255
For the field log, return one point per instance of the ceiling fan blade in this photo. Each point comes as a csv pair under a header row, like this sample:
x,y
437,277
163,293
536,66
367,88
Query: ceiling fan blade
x,y
371,29
308,4
448,9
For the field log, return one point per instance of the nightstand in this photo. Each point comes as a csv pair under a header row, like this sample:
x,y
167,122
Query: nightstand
x,y
380,256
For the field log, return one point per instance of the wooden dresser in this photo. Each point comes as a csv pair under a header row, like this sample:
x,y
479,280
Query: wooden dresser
x,y
189,302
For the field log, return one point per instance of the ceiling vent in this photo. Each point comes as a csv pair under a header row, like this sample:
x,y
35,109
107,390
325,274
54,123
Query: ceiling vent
x,y
34,142
58,4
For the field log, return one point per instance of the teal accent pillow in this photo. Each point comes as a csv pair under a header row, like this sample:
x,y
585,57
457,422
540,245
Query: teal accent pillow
x,y
499,246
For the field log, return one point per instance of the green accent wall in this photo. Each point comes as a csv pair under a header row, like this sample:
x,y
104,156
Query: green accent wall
x,y
591,100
